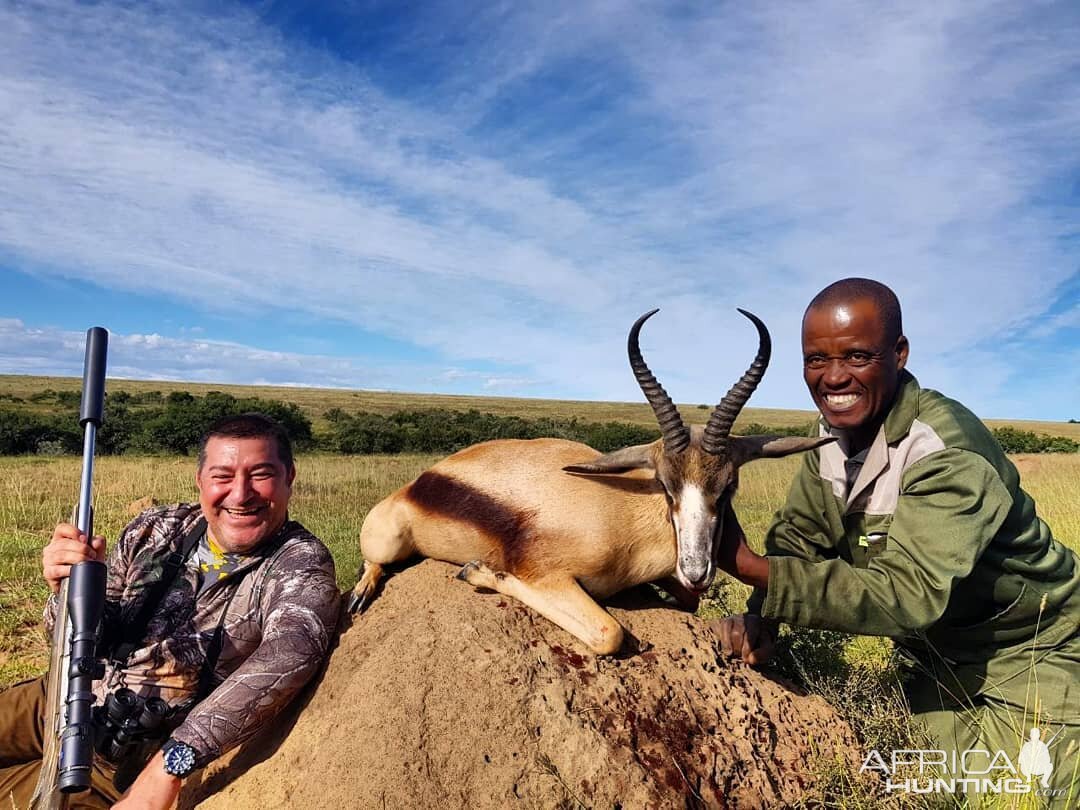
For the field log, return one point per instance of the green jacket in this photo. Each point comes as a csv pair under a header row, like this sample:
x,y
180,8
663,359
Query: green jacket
x,y
935,545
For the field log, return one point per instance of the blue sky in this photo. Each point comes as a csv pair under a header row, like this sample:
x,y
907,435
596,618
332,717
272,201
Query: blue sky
x,y
481,198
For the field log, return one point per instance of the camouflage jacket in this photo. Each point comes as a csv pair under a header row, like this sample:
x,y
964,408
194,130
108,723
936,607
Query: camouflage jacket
x,y
278,613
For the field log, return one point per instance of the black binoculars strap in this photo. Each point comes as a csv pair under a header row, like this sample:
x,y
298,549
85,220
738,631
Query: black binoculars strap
x,y
213,649
136,630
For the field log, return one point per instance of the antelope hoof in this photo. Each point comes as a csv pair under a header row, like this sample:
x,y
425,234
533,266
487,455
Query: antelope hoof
x,y
356,602
366,586
478,575
467,569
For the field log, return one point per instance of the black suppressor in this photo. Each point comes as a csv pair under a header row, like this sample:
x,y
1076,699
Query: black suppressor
x,y
92,404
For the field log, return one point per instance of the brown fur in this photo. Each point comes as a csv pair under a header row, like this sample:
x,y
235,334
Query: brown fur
x,y
509,529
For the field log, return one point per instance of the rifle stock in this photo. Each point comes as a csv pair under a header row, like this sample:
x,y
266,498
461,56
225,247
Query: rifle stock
x,y
67,755
47,795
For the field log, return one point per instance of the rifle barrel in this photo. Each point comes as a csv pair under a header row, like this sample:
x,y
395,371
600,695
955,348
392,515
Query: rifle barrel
x,y
85,513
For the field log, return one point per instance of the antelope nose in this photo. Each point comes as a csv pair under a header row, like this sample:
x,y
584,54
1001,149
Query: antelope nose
x,y
696,575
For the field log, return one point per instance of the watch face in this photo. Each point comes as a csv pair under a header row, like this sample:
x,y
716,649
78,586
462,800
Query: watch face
x,y
180,759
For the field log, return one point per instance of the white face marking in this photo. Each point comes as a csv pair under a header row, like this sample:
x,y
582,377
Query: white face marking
x,y
693,509
694,526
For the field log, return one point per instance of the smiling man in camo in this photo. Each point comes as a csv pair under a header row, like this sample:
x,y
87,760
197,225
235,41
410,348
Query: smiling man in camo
x,y
223,608
913,525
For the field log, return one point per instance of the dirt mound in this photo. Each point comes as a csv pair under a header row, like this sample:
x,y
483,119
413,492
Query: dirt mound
x,y
439,696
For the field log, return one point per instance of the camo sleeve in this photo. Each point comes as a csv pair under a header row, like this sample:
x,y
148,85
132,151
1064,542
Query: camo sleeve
x,y
299,609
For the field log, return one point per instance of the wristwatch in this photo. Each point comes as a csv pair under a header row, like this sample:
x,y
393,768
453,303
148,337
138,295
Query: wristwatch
x,y
179,758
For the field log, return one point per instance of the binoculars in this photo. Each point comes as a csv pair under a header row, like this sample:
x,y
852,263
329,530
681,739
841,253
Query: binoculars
x,y
125,721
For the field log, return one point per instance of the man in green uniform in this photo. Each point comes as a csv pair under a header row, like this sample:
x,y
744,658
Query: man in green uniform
x,y
913,525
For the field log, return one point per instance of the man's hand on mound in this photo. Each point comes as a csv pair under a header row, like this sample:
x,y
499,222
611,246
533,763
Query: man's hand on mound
x,y
746,636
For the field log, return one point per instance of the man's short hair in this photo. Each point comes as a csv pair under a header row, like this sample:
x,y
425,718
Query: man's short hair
x,y
847,289
249,426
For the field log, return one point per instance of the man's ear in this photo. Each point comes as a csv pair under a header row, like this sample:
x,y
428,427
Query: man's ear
x,y
901,352
290,475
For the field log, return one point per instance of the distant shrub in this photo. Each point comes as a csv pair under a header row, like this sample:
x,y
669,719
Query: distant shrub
x,y
1013,440
174,427
1061,444
51,447
68,399
610,436
758,429
181,398
439,430
62,398
22,432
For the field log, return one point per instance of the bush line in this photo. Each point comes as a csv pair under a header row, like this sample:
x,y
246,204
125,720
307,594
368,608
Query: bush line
x,y
152,422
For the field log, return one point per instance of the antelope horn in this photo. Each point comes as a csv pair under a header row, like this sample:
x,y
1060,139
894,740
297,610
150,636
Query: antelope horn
x,y
715,439
676,436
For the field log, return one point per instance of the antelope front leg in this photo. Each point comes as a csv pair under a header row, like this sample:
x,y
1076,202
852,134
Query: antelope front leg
x,y
558,599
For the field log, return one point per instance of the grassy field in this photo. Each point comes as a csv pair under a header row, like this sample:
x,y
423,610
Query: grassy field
x,y
332,494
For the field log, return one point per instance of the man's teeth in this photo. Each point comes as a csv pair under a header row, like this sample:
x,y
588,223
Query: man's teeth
x,y
838,401
241,511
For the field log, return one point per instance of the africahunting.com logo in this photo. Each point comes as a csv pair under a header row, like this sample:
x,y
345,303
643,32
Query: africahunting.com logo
x,y
972,771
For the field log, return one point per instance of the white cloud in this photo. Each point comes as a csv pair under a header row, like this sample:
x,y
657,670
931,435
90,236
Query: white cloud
x,y
745,155
52,351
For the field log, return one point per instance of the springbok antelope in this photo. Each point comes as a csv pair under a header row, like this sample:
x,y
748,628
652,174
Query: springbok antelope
x,y
554,523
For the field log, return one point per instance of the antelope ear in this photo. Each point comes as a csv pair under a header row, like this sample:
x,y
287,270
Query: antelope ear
x,y
617,461
748,448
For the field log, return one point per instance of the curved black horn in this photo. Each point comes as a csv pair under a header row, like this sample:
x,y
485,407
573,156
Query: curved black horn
x,y
715,439
676,435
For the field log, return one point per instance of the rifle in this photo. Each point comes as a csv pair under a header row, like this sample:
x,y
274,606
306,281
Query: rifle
x,y
68,753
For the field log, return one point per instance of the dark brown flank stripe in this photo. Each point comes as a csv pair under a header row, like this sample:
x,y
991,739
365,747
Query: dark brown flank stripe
x,y
450,498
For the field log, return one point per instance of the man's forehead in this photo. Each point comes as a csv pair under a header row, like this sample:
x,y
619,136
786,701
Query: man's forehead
x,y
249,451
844,313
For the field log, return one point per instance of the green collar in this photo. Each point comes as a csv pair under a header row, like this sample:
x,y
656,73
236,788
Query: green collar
x,y
904,410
